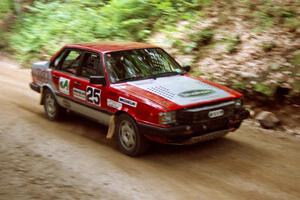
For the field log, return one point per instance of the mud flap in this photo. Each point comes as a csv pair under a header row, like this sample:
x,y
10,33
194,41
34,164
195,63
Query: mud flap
x,y
42,96
111,127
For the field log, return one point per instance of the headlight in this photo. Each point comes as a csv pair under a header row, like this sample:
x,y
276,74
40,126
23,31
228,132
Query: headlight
x,y
167,117
238,103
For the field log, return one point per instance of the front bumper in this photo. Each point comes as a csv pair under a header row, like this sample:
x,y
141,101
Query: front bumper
x,y
203,131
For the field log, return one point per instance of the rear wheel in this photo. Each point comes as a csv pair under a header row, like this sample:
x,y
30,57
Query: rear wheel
x,y
130,141
53,111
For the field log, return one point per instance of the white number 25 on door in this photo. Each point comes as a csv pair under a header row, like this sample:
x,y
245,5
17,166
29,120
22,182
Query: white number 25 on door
x,y
93,95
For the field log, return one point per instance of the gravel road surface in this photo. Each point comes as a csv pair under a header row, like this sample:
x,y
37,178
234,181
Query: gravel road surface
x,y
40,159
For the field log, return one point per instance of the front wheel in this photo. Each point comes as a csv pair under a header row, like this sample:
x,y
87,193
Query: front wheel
x,y
130,141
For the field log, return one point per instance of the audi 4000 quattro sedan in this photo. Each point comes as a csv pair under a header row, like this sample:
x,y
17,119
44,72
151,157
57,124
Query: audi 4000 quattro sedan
x,y
139,91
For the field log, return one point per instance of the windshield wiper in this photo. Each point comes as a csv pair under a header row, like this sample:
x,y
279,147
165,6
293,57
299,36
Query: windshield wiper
x,y
134,78
168,74
154,76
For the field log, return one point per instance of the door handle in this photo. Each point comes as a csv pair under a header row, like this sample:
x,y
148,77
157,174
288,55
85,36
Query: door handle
x,y
77,83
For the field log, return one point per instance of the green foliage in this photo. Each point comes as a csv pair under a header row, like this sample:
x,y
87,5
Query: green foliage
x,y
269,13
131,19
50,24
268,46
239,85
232,43
263,89
196,73
5,6
189,47
196,40
202,37
265,20
295,60
292,23
3,40
47,26
177,43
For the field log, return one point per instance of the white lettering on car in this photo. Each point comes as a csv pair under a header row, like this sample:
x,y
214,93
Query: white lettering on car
x,y
114,104
79,94
128,102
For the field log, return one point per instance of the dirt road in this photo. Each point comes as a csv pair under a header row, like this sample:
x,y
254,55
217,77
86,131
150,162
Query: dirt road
x,y
72,159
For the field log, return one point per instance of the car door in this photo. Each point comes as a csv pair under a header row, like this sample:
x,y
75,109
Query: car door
x,y
66,67
83,91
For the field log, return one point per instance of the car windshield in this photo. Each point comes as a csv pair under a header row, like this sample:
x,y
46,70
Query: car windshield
x,y
139,64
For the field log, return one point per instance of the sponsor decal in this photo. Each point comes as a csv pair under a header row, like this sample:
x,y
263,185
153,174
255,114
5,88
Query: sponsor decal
x,y
79,94
114,104
195,93
93,95
216,113
127,102
64,85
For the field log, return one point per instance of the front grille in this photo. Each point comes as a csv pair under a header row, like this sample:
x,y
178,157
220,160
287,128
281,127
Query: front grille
x,y
217,124
199,116
205,128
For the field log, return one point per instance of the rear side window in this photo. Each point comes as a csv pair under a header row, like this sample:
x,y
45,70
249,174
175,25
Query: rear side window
x,y
58,60
71,62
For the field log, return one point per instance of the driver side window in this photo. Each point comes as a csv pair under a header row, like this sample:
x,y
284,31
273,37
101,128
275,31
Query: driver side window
x,y
89,66
71,62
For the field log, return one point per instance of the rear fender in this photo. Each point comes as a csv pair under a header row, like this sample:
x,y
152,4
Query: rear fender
x,y
43,89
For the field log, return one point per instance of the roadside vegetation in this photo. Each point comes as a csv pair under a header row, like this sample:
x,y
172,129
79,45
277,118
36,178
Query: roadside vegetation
x,y
46,25
252,46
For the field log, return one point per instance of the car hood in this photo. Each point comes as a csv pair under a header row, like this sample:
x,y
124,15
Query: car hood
x,y
180,91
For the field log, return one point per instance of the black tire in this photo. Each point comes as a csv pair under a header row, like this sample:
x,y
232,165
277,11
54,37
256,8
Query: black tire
x,y
54,111
131,144
237,125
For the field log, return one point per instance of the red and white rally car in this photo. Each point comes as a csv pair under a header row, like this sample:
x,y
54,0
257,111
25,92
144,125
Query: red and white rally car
x,y
139,91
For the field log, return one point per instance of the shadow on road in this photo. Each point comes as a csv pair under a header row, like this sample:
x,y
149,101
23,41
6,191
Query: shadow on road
x,y
222,147
228,147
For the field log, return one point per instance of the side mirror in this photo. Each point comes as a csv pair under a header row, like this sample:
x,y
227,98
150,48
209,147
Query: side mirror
x,y
187,68
98,80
